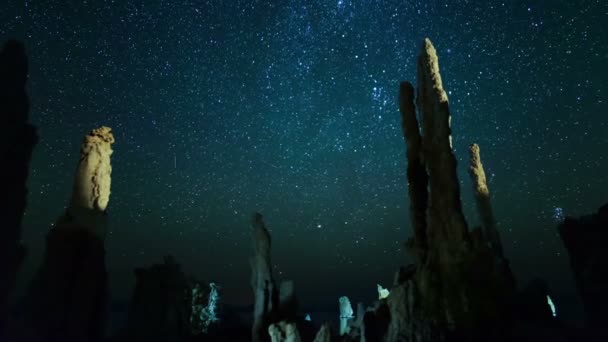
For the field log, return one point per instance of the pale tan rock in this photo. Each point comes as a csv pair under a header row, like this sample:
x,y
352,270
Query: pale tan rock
x,y
92,184
93,176
438,297
17,143
482,200
67,300
446,220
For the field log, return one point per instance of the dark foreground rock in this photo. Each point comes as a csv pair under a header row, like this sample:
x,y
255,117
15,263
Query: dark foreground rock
x,y
586,239
17,142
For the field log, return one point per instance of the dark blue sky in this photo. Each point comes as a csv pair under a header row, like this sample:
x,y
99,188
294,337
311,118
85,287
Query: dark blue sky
x,y
223,108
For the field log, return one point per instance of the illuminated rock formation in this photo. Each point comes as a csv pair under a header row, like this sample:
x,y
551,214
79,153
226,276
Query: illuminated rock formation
x,y
203,307
482,200
17,143
382,292
91,192
266,294
401,311
346,315
67,298
457,290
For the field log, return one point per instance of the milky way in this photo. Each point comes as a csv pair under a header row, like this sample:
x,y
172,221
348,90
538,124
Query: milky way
x,y
289,108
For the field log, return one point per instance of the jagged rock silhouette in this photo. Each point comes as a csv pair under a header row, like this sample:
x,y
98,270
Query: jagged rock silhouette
x,y
18,140
67,297
585,239
457,290
460,287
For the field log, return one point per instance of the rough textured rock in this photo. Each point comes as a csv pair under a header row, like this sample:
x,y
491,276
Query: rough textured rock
x,y
18,139
401,308
398,317
324,334
586,239
284,332
457,290
446,223
91,191
266,294
482,200
416,174
346,315
160,306
67,298
204,306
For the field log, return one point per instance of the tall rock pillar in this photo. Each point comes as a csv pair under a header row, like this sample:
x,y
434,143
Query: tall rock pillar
x,y
17,142
482,200
67,299
265,291
456,290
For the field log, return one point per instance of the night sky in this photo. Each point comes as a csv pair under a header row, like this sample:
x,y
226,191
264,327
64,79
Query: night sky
x,y
224,108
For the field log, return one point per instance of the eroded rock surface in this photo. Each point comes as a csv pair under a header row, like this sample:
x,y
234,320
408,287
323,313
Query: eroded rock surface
x,y
456,290
67,297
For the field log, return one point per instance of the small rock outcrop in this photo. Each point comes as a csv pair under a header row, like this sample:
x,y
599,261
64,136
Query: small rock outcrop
x,y
284,332
204,307
324,334
586,239
160,305
482,200
168,305
346,315
67,297
17,142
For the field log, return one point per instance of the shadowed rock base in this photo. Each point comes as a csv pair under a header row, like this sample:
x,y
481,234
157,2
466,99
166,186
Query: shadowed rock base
x,y
586,239
67,297
17,142
265,292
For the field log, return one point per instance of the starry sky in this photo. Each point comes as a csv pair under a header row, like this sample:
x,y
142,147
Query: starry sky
x,y
224,108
